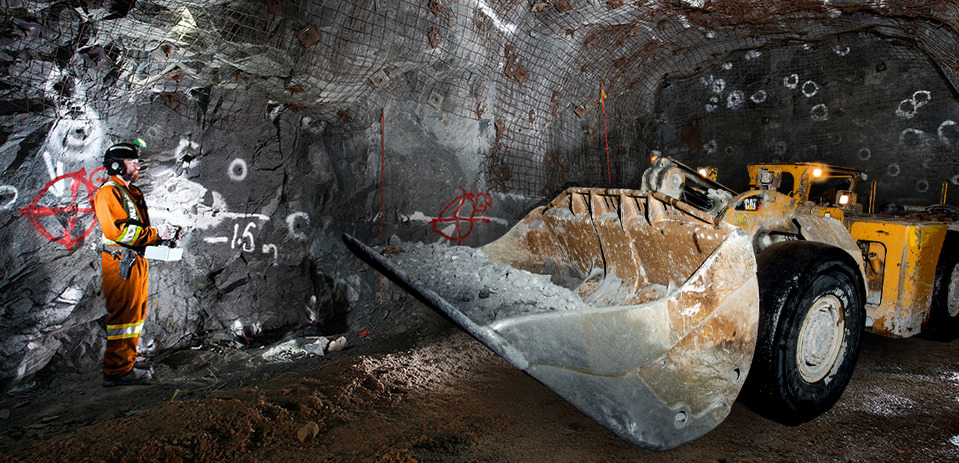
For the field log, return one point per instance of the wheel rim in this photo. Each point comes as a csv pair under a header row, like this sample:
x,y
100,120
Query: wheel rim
x,y
820,338
952,304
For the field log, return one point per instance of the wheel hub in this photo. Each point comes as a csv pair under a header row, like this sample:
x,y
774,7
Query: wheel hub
x,y
820,338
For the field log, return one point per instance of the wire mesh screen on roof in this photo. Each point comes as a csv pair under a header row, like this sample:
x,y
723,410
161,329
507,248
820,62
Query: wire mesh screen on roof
x,y
569,85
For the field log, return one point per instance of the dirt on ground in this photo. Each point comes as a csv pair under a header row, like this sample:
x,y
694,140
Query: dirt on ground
x,y
446,398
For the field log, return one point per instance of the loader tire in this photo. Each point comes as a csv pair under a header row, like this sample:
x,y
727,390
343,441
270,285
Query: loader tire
x,y
943,323
810,325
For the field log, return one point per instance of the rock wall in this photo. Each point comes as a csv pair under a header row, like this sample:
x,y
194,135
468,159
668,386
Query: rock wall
x,y
273,127
264,209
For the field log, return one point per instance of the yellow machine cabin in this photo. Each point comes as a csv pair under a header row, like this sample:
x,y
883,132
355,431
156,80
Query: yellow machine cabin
x,y
898,252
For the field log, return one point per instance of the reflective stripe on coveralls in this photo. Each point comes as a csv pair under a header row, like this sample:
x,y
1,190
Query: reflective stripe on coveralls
x,y
130,231
128,330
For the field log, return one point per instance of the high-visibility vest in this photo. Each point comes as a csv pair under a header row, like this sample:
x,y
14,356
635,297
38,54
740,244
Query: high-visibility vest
x,y
132,229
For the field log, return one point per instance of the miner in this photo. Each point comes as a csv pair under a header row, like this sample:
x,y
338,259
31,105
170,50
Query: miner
x,y
123,217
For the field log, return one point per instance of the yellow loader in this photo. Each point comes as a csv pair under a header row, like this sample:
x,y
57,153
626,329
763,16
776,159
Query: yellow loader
x,y
653,310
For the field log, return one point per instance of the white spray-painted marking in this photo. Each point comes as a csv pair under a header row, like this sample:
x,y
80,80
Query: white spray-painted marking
x,y
245,238
735,100
893,170
753,54
955,179
237,170
74,141
10,190
810,89
713,104
245,241
727,66
268,248
922,186
908,108
417,217
504,27
758,97
184,145
713,84
913,134
449,230
819,113
941,132
206,216
54,170
954,440
791,81
241,215
718,86
291,224
865,154
841,50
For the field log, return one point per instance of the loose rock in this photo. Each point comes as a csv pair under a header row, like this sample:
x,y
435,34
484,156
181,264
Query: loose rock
x,y
308,431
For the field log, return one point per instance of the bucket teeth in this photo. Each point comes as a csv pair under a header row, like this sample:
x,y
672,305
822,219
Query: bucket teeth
x,y
638,312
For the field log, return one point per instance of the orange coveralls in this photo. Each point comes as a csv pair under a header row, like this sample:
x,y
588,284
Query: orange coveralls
x,y
122,214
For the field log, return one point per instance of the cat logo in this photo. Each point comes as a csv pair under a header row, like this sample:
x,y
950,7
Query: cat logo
x,y
750,204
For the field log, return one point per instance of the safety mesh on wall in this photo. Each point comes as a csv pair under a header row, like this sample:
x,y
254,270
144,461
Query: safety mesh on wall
x,y
568,84
858,99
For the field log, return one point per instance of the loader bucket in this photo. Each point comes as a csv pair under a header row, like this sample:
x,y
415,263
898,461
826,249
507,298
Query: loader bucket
x,y
638,309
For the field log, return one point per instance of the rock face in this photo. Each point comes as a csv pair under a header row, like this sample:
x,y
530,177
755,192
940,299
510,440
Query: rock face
x,y
873,105
263,211
273,127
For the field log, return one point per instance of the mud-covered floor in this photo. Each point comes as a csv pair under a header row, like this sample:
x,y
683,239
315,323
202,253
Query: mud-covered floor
x,y
446,398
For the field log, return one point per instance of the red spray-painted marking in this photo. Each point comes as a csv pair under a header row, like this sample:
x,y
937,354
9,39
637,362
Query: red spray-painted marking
x,y
602,101
66,217
478,202
99,181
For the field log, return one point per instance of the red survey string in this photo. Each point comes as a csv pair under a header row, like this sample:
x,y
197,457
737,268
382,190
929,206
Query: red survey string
x,y
602,101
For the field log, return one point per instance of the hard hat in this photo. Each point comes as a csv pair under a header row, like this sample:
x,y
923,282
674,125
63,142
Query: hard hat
x,y
116,154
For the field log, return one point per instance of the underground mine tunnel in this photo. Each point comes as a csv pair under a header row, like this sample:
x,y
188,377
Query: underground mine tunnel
x,y
428,128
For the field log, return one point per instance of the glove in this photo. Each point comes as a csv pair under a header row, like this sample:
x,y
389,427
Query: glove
x,y
167,232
